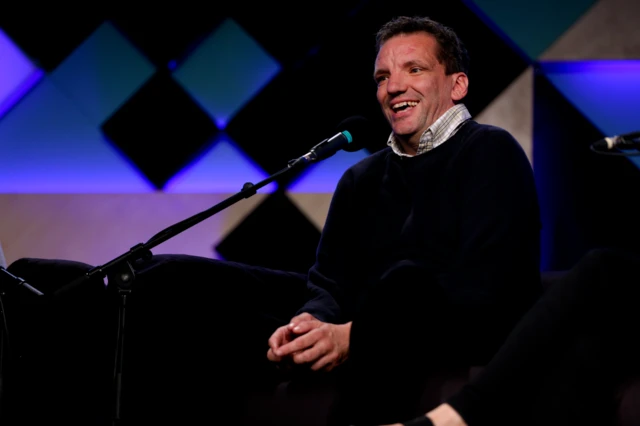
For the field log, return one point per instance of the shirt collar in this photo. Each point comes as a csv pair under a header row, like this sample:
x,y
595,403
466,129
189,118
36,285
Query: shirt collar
x,y
439,132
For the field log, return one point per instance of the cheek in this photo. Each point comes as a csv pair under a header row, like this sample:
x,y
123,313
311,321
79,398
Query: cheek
x,y
380,94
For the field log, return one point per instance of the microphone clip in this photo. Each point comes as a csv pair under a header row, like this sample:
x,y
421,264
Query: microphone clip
x,y
626,145
310,156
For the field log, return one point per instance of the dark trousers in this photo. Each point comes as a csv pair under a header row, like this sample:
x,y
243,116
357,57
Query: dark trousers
x,y
559,365
406,333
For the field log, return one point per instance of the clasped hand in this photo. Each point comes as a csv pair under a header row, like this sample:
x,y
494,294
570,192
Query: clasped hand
x,y
309,341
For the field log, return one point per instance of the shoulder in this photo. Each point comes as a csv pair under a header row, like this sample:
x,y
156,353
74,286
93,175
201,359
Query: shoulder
x,y
487,133
489,139
365,169
371,162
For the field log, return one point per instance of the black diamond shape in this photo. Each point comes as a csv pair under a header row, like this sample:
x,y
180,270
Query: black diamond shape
x,y
275,235
271,25
48,37
301,131
160,128
171,35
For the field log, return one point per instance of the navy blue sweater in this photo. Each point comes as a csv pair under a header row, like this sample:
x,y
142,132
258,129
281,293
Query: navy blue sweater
x,y
466,212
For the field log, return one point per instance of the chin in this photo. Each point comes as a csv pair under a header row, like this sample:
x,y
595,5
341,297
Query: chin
x,y
403,131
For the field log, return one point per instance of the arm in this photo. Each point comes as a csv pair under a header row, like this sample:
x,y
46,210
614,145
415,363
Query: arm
x,y
330,294
318,335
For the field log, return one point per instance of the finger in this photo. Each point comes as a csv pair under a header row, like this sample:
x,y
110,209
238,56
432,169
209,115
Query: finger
x,y
300,318
278,337
325,362
299,344
271,356
305,326
273,342
309,355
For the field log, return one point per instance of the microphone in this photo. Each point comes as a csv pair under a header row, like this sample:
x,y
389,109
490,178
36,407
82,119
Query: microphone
x,y
629,140
16,282
352,135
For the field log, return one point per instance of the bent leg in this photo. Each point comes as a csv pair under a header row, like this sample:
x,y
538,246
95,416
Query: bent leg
x,y
197,334
406,334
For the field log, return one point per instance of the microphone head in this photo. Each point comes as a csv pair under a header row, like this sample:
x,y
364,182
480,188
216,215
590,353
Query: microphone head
x,y
359,132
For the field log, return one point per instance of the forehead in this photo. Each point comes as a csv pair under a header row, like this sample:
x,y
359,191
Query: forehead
x,y
407,47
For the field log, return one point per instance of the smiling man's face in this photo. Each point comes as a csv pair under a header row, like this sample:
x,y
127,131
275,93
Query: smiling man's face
x,y
413,87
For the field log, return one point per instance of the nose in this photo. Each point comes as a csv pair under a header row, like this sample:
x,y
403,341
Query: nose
x,y
396,84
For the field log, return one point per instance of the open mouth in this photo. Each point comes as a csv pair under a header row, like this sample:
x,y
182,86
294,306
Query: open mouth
x,y
402,106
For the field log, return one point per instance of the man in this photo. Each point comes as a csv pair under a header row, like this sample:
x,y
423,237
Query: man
x,y
434,238
428,256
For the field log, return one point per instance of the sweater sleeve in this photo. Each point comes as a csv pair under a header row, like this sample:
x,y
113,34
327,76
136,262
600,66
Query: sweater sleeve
x,y
326,281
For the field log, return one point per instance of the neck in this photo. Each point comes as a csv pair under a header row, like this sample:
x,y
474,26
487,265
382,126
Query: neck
x,y
407,146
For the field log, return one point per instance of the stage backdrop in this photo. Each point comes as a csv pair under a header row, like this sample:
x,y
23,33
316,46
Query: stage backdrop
x,y
116,124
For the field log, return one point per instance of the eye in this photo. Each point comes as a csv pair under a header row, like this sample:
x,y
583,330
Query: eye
x,y
380,78
414,70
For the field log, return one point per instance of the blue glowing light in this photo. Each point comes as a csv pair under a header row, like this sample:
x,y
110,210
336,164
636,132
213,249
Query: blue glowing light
x,y
606,92
102,73
17,74
225,71
323,177
49,146
224,168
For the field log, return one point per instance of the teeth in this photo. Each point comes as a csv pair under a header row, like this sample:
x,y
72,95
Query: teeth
x,y
404,104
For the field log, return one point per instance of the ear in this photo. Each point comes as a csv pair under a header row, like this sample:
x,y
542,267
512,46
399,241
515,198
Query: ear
x,y
460,86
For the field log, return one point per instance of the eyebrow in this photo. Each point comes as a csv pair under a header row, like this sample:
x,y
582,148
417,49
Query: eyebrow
x,y
414,63
378,72
408,64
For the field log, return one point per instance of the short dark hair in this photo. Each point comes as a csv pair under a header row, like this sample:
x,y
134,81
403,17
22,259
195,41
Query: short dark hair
x,y
452,53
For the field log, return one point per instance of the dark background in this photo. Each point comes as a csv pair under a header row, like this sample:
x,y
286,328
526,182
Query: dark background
x,y
325,51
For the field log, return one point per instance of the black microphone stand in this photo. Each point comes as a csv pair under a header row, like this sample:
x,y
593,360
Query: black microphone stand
x,y
120,270
4,354
8,282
